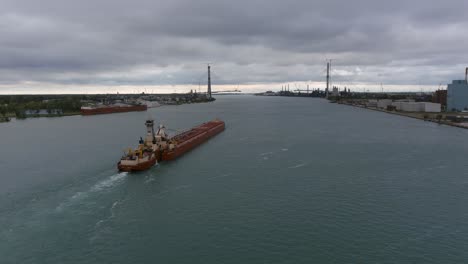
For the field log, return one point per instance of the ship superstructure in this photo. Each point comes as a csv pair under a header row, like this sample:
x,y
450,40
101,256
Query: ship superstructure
x,y
145,155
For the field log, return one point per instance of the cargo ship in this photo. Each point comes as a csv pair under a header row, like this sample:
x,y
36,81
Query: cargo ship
x,y
109,109
159,147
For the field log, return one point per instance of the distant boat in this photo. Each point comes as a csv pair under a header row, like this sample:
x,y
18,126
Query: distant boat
x,y
109,109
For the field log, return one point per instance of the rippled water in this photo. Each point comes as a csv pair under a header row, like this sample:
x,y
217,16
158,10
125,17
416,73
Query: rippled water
x,y
291,180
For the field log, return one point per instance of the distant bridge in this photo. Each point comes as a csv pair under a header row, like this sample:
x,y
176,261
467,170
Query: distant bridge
x,y
228,91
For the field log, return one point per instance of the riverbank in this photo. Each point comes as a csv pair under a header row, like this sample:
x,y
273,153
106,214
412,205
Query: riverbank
x,y
34,106
439,118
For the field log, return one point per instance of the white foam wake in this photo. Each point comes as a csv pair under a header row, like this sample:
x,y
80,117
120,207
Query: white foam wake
x,y
298,165
220,176
107,183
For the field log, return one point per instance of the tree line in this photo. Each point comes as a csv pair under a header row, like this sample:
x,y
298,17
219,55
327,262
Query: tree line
x,y
18,104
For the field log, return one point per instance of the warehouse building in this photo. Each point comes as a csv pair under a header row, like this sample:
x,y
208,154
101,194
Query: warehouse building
x,y
384,103
417,107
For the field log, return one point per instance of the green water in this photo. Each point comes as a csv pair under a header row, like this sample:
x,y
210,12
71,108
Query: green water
x,y
291,180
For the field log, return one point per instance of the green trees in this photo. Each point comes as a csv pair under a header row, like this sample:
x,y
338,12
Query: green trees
x,y
17,104
3,110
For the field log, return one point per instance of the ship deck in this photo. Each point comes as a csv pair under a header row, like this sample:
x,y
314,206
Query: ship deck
x,y
184,136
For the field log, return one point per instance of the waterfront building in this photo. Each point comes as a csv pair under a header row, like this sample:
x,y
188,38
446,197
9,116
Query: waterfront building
x,y
440,97
457,95
417,107
429,107
335,91
384,103
43,112
371,103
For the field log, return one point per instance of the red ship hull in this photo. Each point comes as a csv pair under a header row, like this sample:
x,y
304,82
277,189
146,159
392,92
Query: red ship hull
x,y
139,167
188,140
113,109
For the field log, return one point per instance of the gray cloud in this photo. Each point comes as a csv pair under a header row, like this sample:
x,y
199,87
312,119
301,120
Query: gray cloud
x,y
169,42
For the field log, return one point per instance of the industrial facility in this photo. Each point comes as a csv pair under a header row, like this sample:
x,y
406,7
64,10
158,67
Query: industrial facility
x,y
457,95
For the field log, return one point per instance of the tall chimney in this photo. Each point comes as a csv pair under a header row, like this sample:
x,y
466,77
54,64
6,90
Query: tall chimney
x,y
209,81
328,79
466,74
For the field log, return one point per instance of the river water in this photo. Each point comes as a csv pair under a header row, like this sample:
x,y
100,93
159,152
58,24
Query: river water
x,y
291,180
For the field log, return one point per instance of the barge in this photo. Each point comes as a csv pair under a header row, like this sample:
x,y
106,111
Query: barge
x,y
109,109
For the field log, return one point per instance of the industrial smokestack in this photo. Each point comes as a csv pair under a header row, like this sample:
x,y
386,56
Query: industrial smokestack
x,y
209,81
466,74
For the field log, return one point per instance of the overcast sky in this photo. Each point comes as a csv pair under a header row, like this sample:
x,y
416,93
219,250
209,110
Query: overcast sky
x,y
163,46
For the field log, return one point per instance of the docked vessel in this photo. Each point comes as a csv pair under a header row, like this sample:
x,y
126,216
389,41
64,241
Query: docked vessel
x,y
159,147
109,109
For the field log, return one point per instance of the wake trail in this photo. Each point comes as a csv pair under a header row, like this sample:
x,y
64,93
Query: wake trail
x,y
109,182
100,186
220,176
298,165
